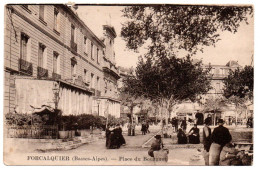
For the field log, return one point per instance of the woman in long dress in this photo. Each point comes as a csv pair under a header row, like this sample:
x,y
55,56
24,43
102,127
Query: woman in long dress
x,y
194,136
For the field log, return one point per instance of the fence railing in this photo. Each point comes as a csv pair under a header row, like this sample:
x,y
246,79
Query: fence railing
x,y
32,131
42,72
56,76
25,66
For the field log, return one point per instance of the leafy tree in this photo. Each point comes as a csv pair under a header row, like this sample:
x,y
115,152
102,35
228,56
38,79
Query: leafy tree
x,y
215,105
129,98
172,27
240,83
168,81
239,87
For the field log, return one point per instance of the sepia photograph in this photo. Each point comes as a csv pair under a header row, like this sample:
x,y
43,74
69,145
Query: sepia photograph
x,y
128,84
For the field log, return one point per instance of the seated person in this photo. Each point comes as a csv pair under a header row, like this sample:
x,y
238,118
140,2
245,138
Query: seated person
x,y
194,135
119,139
112,139
182,138
156,145
228,156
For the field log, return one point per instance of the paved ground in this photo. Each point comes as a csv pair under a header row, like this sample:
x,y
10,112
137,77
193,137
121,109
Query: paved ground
x,y
132,153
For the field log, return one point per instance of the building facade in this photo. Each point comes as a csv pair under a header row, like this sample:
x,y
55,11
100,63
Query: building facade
x,y
52,58
195,110
219,72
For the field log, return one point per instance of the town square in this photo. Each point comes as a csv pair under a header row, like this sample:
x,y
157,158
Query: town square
x,y
114,84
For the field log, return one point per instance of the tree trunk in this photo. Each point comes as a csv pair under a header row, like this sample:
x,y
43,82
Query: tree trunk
x,y
236,116
132,115
214,118
246,113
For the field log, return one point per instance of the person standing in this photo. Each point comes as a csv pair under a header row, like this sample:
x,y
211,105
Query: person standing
x,y
229,121
173,123
129,128
176,124
108,133
184,124
220,137
133,128
206,139
147,127
143,129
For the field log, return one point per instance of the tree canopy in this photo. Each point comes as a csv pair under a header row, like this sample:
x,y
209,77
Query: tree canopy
x,y
240,83
172,27
168,81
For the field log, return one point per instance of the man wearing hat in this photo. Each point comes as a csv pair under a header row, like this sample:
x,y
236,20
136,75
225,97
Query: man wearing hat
x,y
156,145
206,139
220,137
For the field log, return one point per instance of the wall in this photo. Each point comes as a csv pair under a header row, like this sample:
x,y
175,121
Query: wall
x,y
74,101
19,20
29,93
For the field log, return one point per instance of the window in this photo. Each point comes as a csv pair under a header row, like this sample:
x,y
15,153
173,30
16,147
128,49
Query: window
x,y
24,46
73,68
41,12
114,56
97,56
26,7
97,83
105,87
92,48
217,71
92,80
85,75
41,55
85,40
55,62
72,33
56,20
85,45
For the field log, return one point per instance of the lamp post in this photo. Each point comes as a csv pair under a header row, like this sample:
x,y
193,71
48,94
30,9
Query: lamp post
x,y
106,111
98,102
56,98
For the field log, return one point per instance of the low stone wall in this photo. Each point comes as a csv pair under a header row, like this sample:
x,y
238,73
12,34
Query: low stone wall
x,y
47,145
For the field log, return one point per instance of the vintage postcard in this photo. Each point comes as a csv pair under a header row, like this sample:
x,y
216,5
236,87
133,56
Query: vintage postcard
x,y
150,84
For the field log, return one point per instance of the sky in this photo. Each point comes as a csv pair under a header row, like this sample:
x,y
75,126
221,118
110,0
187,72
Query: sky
x,y
238,47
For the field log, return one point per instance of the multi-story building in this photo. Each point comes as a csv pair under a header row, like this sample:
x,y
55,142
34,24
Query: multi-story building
x,y
52,58
194,110
219,72
110,95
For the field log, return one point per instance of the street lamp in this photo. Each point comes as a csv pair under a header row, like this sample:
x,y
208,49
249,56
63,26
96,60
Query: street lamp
x,y
56,90
98,102
106,112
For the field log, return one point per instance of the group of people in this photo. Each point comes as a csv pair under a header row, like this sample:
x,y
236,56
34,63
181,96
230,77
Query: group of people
x,y
114,137
131,128
214,142
175,124
193,136
145,128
